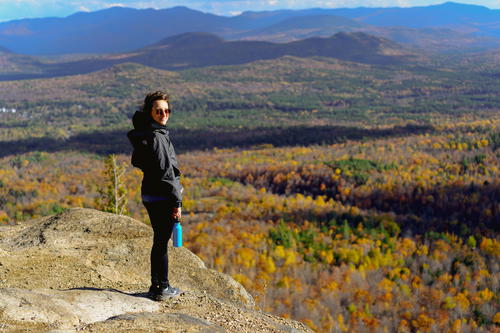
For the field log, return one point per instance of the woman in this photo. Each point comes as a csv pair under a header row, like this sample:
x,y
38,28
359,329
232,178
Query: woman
x,y
161,188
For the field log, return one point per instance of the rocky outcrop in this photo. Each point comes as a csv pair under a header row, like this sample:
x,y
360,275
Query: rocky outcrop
x,y
88,270
69,308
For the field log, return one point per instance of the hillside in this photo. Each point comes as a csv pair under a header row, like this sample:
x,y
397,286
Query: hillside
x,y
88,270
268,101
395,232
199,50
426,39
17,64
192,50
490,59
438,39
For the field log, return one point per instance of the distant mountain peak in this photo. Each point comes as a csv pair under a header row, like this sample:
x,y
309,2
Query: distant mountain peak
x,y
458,4
115,8
461,8
182,8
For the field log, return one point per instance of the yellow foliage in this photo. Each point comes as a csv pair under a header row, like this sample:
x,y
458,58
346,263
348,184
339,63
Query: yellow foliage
x,y
354,210
341,323
246,257
445,278
331,286
327,323
422,250
496,318
441,245
244,280
310,323
346,191
349,255
219,261
279,252
490,246
267,263
457,326
329,257
3,216
423,322
416,282
486,295
462,301
405,274
449,303
290,257
262,278
284,282
403,326
386,297
253,238
386,285
405,289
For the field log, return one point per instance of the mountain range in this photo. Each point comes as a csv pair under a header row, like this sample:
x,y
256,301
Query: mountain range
x,y
445,27
190,50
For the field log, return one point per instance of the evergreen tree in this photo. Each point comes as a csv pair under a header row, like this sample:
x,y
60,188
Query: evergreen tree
x,y
112,192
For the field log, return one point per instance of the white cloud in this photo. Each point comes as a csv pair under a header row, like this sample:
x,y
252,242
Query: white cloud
x,y
115,5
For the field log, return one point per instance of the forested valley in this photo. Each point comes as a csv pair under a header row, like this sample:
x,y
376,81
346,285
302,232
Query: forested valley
x,y
350,197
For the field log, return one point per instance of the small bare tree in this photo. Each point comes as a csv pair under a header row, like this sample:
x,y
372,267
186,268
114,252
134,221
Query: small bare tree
x,y
112,192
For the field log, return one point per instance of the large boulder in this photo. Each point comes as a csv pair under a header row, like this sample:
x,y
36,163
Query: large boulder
x,y
85,247
85,269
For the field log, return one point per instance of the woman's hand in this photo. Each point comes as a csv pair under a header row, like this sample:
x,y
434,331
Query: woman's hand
x,y
177,213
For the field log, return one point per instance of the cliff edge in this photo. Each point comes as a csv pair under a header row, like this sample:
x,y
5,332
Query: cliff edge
x,y
88,270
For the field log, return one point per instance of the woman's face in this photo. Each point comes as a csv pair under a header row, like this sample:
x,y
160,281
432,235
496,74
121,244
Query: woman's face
x,y
160,111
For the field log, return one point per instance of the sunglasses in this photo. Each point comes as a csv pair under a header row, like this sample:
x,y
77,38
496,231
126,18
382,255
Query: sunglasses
x,y
161,111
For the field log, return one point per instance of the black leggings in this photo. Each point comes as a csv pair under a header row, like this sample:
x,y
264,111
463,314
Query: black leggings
x,y
160,214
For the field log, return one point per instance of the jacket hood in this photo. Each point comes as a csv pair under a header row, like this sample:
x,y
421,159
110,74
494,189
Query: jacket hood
x,y
141,121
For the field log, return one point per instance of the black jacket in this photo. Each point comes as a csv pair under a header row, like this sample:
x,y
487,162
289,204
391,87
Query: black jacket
x,y
154,154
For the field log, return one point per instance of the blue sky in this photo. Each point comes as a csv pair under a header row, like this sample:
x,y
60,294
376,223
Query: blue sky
x,y
16,9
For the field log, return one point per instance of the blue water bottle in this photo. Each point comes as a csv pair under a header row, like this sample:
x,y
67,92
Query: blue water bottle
x,y
177,239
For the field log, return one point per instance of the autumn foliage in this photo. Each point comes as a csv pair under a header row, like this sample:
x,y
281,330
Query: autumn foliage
x,y
393,234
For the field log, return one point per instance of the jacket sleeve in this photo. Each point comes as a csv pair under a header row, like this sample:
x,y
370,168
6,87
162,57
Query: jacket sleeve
x,y
169,183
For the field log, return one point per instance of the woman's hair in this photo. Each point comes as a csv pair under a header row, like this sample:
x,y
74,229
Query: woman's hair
x,y
154,96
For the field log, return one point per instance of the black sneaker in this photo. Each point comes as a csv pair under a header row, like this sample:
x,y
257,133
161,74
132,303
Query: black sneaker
x,y
153,291
166,293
